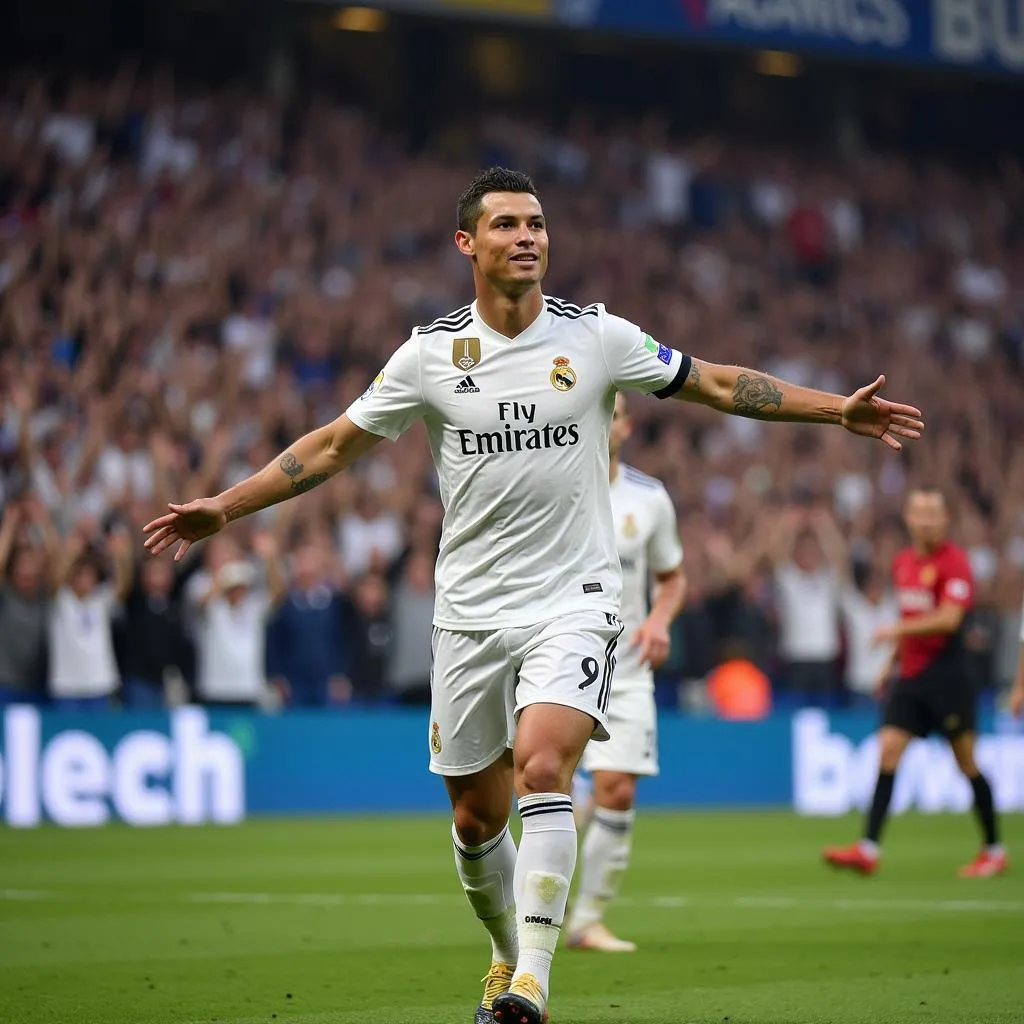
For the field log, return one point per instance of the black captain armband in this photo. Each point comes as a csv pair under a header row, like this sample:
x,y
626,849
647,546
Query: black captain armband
x,y
678,380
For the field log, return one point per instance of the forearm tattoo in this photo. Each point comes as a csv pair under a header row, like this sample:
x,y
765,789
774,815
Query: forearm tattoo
x,y
693,378
291,467
755,396
311,481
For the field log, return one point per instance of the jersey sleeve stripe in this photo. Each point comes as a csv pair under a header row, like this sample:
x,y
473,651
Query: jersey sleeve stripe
x,y
678,381
569,310
453,321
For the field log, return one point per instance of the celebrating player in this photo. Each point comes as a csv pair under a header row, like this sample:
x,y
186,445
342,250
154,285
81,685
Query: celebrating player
x,y
516,391
933,693
647,539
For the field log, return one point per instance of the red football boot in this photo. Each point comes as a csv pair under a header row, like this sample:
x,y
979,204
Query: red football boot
x,y
986,865
852,858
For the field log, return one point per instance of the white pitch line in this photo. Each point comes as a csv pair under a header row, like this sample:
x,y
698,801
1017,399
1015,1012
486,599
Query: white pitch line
x,y
667,902
24,895
323,899
671,901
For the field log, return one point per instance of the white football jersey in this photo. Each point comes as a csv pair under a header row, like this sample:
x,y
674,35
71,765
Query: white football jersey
x,y
519,433
647,537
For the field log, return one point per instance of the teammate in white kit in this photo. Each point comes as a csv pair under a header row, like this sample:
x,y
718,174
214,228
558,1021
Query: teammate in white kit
x,y
516,391
647,537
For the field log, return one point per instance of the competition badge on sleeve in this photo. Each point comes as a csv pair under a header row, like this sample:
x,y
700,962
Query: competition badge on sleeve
x,y
374,386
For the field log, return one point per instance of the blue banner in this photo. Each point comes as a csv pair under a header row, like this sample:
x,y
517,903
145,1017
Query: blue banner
x,y
984,35
193,766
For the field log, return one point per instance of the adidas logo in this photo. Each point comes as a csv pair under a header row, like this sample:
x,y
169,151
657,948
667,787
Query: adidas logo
x,y
466,387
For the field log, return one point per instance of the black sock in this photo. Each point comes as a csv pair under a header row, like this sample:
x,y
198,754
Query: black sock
x,y
985,808
879,805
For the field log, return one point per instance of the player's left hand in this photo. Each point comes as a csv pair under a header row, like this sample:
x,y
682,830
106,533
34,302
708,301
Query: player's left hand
x,y
653,640
866,414
885,635
184,525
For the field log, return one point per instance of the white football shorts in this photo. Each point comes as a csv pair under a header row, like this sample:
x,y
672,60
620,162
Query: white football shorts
x,y
482,679
633,728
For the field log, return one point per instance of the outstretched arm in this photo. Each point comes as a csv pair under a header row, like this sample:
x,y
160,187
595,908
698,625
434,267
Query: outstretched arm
x,y
744,392
310,461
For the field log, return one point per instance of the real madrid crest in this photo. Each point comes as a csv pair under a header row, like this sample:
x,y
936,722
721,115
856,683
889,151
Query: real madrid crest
x,y
928,575
435,738
629,527
563,376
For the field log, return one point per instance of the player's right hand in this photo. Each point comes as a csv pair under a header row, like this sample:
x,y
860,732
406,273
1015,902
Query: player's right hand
x,y
186,524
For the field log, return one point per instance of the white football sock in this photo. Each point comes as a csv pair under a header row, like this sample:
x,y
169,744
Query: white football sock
x,y
547,856
487,874
605,857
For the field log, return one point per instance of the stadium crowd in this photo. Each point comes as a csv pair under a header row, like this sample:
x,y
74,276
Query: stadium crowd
x,y
190,279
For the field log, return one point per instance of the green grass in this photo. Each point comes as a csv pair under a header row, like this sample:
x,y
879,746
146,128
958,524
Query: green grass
x,y
309,921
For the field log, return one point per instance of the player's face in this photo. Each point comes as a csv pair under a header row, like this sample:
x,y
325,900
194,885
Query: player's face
x,y
927,518
622,426
510,244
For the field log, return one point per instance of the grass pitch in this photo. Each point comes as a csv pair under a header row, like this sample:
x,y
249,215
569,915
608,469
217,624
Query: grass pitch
x,y
360,921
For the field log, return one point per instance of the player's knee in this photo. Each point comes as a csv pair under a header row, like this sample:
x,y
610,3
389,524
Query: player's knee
x,y
965,760
476,822
544,771
617,792
892,748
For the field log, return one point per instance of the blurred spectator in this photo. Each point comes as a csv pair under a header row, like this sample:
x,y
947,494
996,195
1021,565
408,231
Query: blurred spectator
x,y
807,589
866,608
371,636
83,669
189,279
412,616
308,646
24,607
369,537
232,635
152,637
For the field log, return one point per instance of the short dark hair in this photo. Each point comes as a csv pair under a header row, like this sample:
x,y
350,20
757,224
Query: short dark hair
x,y
494,179
929,487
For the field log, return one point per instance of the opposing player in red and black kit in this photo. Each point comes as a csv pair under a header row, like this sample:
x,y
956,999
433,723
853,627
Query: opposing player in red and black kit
x,y
933,693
